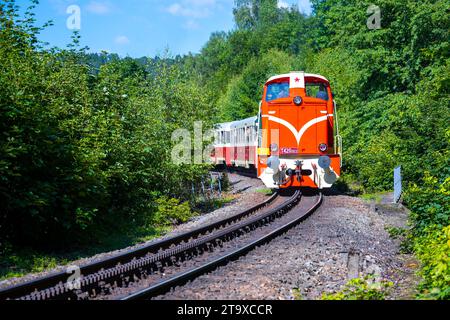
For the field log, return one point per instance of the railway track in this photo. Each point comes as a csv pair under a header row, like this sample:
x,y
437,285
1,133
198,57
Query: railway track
x,y
262,237
154,269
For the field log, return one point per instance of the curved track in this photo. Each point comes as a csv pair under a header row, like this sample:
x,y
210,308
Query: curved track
x,y
179,279
54,285
157,267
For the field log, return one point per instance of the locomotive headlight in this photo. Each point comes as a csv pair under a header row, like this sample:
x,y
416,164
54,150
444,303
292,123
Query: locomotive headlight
x,y
274,147
324,162
273,163
323,147
298,100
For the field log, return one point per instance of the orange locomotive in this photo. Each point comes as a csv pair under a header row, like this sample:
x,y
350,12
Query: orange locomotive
x,y
294,141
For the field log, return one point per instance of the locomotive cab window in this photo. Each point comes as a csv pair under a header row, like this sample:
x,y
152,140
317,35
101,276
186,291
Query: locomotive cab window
x,y
277,91
317,90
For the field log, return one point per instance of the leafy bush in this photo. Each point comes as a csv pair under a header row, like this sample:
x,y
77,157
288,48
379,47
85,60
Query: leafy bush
x,y
433,250
431,215
361,289
429,203
170,211
81,150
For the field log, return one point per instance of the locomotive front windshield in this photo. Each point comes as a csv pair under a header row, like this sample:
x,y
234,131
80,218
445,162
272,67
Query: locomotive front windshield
x,y
317,90
277,90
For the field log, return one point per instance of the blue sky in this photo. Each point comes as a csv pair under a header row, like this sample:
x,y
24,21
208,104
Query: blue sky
x,y
141,27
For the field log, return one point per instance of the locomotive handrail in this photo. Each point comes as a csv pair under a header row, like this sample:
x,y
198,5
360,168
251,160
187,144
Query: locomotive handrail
x,y
339,147
338,137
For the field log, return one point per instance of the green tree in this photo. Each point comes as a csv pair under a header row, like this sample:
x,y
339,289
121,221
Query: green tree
x,y
245,91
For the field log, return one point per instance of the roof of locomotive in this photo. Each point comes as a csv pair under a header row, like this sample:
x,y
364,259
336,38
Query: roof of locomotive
x,y
301,74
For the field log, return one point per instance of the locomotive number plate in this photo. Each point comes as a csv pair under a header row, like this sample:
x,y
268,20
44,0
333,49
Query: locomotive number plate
x,y
289,150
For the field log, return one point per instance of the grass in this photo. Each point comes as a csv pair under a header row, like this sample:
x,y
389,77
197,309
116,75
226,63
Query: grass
x,y
205,206
23,261
297,294
376,196
365,288
265,191
404,236
396,232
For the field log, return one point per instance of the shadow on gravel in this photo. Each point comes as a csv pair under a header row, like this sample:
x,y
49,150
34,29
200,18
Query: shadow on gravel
x,y
305,191
308,192
340,188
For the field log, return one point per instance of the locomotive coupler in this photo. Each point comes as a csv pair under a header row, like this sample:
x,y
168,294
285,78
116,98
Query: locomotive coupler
x,y
298,170
315,172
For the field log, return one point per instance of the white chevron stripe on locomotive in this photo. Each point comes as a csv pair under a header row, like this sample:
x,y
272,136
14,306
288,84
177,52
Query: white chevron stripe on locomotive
x,y
297,134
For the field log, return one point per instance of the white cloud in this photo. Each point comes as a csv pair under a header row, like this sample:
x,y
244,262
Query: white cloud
x,y
98,7
283,4
193,9
121,40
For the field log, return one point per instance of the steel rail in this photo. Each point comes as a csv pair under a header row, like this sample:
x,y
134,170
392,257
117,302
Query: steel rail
x,y
39,284
132,268
182,278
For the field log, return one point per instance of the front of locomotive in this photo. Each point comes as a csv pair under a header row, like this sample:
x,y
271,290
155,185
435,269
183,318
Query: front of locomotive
x,y
298,142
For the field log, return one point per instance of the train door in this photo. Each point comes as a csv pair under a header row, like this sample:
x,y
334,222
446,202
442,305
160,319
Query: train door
x,y
224,146
236,142
259,141
253,145
228,149
215,151
247,146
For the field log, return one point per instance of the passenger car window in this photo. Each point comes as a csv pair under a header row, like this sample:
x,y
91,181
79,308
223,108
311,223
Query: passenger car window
x,y
317,90
277,90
